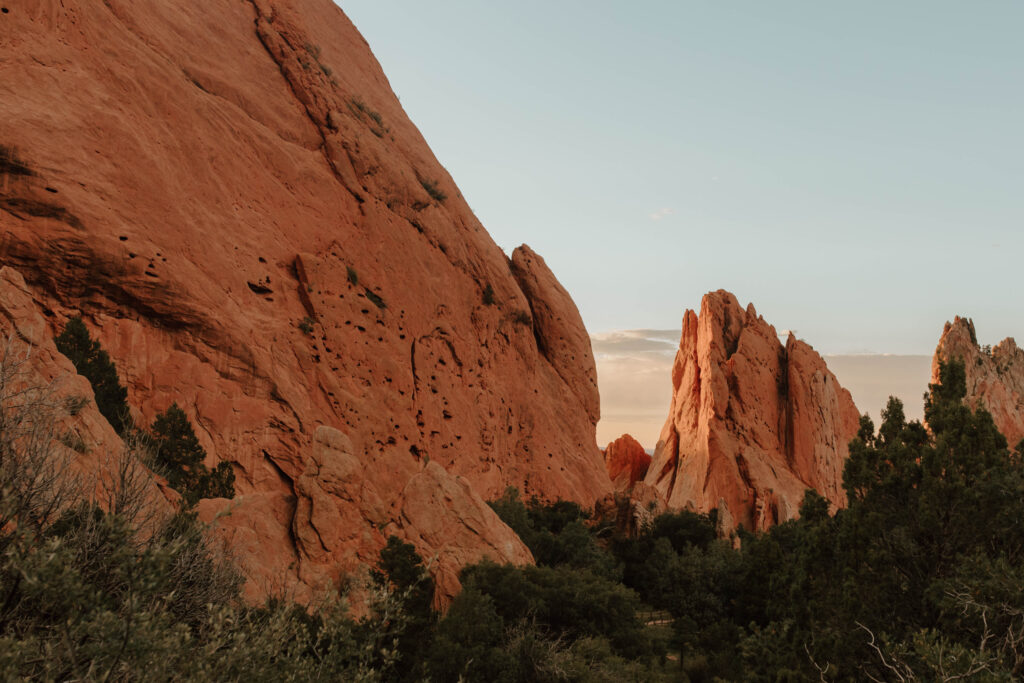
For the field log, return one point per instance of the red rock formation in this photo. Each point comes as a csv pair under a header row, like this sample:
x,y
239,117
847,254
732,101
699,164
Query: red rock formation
x,y
753,423
233,197
71,427
995,375
626,462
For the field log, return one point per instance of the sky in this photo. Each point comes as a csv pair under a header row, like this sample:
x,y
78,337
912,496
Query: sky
x,y
853,169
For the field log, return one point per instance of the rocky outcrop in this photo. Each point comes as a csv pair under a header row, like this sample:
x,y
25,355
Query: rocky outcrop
x,y
561,337
626,462
995,375
752,423
233,198
60,414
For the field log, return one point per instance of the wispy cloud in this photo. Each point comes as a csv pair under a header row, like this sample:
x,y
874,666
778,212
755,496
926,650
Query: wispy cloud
x,y
633,342
661,213
634,370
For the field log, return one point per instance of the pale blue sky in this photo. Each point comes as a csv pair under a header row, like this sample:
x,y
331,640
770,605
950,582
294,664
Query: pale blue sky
x,y
854,169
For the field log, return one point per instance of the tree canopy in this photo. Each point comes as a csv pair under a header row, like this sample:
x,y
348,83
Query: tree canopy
x,y
92,362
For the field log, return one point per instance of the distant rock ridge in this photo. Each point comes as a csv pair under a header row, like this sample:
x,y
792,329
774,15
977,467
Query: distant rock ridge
x,y
752,423
234,200
626,461
995,374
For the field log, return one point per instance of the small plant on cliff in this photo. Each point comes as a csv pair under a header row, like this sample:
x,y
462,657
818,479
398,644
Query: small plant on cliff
x,y
92,362
74,441
488,295
180,457
376,299
433,190
360,107
521,318
315,52
306,325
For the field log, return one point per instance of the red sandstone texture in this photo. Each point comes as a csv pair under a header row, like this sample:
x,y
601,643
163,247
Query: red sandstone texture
x,y
995,375
233,198
82,442
626,462
753,423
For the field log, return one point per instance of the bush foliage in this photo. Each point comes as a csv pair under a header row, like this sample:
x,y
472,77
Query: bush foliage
x,y
179,457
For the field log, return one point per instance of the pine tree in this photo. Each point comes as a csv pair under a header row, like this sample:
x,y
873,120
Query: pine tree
x,y
181,456
92,362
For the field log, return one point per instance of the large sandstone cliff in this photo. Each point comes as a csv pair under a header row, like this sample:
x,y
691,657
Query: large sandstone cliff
x,y
752,423
995,375
233,198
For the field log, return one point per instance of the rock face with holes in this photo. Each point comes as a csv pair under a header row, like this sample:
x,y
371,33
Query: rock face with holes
x,y
995,375
233,198
626,461
753,423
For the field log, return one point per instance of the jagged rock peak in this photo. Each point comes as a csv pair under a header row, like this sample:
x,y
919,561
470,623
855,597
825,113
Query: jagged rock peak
x,y
995,374
753,423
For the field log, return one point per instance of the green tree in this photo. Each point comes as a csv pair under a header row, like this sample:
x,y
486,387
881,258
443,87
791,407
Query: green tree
x,y
180,457
93,363
401,570
909,575
469,644
570,603
556,533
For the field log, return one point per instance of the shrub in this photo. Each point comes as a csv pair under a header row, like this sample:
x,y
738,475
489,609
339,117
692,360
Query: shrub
x,y
35,479
315,52
92,362
401,571
74,441
488,295
360,109
433,190
571,603
375,298
521,318
75,404
555,533
306,325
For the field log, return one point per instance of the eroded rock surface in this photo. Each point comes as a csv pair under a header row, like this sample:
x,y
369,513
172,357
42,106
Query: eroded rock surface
x,y
995,374
752,423
233,198
626,462
62,417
